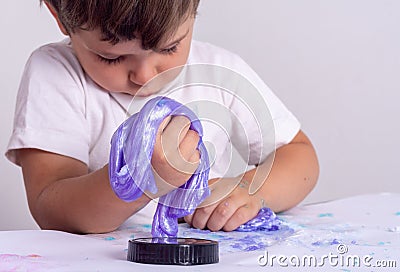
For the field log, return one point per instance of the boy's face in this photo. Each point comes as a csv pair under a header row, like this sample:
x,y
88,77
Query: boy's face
x,y
125,67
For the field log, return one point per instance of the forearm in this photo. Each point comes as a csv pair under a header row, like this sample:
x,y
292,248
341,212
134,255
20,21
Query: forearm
x,y
291,178
280,182
63,196
84,204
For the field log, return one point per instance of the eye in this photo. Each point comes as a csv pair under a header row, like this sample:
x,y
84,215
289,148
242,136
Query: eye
x,y
170,50
111,61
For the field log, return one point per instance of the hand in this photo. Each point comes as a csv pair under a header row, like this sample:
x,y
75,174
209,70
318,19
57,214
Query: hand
x,y
228,207
175,156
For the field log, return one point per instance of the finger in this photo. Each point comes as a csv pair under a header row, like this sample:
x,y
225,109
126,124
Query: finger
x,y
188,219
241,216
176,130
186,158
221,214
163,125
195,158
188,145
175,133
160,130
201,216
158,150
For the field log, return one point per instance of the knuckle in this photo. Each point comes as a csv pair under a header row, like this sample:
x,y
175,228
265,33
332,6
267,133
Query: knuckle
x,y
197,223
187,165
222,212
159,157
241,216
207,209
180,118
179,123
193,136
196,156
188,219
156,158
202,212
212,226
164,123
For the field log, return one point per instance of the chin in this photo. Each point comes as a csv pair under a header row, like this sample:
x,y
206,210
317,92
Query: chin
x,y
144,92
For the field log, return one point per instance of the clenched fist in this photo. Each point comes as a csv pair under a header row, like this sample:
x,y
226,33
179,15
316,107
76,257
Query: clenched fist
x,y
175,156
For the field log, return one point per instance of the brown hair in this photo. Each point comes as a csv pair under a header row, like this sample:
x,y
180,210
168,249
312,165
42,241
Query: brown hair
x,y
153,21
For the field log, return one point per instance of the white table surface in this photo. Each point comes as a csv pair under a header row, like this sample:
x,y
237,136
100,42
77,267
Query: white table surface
x,y
365,227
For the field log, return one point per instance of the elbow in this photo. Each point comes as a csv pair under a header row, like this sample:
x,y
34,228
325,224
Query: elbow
x,y
77,229
315,170
75,225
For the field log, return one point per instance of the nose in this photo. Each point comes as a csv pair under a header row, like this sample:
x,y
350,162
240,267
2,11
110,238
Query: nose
x,y
142,72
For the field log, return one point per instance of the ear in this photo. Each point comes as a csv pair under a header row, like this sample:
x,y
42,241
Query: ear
x,y
55,15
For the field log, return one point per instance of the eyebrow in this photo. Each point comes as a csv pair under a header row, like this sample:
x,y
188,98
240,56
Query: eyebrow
x,y
101,53
177,40
108,55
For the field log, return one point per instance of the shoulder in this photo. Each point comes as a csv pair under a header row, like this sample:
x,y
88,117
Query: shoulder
x,y
61,51
54,59
54,66
203,52
53,72
206,53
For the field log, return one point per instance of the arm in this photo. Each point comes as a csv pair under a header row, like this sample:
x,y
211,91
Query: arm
x,y
293,175
62,195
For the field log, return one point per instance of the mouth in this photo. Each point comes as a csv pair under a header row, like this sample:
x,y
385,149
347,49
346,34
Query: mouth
x,y
146,90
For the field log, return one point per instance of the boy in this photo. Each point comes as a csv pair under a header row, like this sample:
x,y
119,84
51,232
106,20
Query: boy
x,y
74,94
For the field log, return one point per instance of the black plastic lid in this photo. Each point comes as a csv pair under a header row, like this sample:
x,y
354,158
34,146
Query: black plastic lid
x,y
175,251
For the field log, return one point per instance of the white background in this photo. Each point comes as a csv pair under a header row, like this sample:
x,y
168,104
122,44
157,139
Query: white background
x,y
334,63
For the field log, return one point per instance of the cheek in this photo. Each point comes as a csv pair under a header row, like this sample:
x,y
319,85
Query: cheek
x,y
177,60
109,77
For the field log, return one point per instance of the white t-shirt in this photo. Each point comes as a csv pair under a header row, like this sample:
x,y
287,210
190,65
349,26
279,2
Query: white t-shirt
x,y
61,110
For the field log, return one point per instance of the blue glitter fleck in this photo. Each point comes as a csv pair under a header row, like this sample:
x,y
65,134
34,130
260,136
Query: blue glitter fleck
x,y
398,214
335,242
325,215
109,238
326,243
161,102
216,236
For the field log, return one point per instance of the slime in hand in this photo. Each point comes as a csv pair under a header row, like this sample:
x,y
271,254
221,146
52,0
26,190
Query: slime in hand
x,y
130,169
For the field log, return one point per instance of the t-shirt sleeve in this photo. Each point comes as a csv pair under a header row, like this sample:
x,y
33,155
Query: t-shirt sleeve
x,y
270,125
261,123
285,123
50,107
